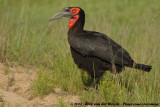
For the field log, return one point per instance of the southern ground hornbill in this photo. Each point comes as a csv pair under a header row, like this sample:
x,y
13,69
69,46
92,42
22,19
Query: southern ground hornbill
x,y
92,51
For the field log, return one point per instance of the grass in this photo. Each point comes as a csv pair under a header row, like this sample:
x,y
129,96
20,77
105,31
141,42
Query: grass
x,y
44,83
27,38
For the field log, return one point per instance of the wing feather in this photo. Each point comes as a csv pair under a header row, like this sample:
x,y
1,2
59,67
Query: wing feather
x,y
99,45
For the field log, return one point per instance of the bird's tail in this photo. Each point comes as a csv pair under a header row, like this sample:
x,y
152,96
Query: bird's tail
x,y
143,67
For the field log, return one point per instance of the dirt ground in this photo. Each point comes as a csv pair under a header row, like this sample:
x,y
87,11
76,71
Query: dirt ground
x,y
15,90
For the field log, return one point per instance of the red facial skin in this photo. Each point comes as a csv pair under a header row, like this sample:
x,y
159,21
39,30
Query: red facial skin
x,y
73,20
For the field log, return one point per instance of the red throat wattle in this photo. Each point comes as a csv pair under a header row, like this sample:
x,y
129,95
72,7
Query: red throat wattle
x,y
72,21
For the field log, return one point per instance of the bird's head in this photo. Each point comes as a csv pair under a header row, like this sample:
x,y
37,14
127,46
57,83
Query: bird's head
x,y
74,13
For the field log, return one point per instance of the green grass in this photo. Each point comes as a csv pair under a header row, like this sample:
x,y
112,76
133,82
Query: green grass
x,y
44,83
27,38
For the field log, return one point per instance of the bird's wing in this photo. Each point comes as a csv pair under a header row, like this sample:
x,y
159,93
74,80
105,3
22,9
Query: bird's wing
x,y
101,46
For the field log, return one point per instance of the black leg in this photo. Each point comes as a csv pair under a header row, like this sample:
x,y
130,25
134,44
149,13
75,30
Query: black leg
x,y
95,81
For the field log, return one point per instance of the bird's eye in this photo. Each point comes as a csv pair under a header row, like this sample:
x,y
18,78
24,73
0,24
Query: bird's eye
x,y
73,11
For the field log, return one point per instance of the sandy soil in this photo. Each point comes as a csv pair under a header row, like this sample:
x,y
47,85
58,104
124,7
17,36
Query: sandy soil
x,y
15,90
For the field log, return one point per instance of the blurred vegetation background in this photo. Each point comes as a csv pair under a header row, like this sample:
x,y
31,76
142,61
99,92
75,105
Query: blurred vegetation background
x,y
27,38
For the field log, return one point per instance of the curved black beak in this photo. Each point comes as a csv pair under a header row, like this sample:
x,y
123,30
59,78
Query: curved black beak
x,y
60,15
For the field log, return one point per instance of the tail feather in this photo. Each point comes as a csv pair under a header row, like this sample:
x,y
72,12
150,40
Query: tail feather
x,y
143,67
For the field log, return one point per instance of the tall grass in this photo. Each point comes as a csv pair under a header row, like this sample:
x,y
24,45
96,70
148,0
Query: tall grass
x,y
27,38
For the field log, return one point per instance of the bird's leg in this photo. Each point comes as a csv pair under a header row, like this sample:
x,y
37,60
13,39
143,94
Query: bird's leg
x,y
96,80
114,70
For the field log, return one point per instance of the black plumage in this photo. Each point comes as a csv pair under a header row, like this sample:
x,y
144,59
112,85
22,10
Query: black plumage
x,y
95,52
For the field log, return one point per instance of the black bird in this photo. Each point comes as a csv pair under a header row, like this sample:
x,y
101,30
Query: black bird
x,y
92,51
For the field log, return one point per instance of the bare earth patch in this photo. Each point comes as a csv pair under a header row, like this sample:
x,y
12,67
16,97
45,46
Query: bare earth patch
x,y
15,90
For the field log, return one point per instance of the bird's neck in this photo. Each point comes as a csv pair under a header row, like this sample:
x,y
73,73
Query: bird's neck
x,y
76,24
